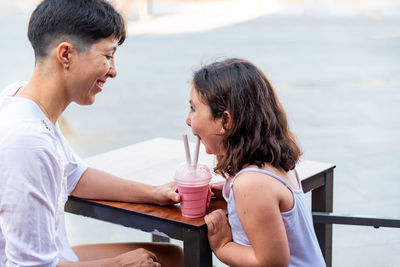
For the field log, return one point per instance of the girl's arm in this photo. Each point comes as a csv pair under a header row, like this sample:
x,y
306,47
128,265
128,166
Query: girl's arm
x,y
258,206
220,239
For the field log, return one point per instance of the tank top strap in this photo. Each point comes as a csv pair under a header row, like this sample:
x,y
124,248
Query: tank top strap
x,y
269,174
298,179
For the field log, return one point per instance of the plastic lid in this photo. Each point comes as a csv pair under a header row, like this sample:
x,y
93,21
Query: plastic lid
x,y
186,174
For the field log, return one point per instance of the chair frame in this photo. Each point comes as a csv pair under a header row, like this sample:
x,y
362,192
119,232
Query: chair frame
x,y
329,218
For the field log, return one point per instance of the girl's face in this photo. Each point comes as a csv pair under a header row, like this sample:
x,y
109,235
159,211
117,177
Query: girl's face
x,y
203,125
91,70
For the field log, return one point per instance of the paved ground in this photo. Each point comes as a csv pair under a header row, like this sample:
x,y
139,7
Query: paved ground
x,y
336,69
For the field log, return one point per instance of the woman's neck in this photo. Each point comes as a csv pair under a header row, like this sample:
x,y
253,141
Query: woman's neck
x,y
47,94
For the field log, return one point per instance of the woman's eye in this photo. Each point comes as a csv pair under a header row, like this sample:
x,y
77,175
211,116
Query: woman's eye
x,y
192,108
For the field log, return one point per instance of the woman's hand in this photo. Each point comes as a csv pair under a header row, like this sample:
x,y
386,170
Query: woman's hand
x,y
219,231
137,258
167,194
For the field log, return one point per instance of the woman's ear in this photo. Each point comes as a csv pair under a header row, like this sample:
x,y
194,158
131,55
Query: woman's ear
x,y
226,121
64,51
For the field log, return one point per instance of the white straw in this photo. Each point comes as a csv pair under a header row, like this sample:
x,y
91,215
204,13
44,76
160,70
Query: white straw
x,y
196,153
187,151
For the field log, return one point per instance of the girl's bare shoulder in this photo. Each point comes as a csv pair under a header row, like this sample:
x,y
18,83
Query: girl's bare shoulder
x,y
256,183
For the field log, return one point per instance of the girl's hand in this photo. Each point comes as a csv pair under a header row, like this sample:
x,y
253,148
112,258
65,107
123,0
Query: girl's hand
x,y
216,189
167,194
219,231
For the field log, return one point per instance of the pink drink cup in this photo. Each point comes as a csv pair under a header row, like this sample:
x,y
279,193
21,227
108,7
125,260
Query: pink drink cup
x,y
193,189
193,200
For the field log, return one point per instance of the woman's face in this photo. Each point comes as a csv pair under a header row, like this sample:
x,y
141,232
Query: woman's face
x,y
203,125
90,70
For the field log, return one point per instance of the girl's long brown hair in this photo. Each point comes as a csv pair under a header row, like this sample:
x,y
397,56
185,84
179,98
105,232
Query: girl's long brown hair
x,y
259,132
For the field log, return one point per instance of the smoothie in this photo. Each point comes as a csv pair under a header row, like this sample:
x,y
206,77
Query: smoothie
x,y
193,200
193,188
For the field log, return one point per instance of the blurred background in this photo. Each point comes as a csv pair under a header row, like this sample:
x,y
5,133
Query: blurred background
x,y
334,63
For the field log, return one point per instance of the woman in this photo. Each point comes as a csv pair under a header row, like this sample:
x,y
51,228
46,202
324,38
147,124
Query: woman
x,y
74,42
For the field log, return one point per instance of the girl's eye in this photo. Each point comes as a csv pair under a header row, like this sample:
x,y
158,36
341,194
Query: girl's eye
x,y
191,108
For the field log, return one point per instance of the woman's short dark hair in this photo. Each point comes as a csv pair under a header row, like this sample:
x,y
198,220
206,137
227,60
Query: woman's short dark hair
x,y
82,22
259,132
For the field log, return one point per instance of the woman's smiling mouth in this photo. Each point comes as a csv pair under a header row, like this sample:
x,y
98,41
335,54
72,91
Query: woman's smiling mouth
x,y
100,83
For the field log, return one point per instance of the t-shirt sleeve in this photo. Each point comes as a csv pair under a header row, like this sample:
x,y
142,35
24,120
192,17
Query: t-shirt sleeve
x,y
74,168
74,171
27,207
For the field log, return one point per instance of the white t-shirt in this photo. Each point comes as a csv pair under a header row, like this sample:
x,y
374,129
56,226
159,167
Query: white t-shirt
x,y
38,170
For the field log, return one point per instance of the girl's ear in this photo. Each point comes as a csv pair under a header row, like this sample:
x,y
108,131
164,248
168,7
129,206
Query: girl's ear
x,y
226,121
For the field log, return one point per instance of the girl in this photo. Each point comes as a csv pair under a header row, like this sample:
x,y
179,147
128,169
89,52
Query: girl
x,y
235,112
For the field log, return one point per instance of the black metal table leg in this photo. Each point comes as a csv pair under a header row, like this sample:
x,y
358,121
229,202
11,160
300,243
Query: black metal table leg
x,y
157,238
197,251
322,200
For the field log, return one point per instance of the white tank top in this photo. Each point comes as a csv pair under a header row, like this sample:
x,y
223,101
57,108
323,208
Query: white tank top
x,y
303,243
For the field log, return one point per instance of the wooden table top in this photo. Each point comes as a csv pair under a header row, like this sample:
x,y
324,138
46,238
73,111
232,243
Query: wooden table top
x,y
154,162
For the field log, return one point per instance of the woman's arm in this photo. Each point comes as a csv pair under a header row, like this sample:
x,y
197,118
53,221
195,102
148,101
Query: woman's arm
x,y
99,263
138,257
97,184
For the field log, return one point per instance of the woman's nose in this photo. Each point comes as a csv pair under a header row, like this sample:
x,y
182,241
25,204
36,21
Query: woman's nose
x,y
113,71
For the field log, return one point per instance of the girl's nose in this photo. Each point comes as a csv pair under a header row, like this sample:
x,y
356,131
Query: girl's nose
x,y
188,120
